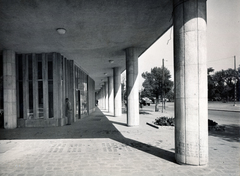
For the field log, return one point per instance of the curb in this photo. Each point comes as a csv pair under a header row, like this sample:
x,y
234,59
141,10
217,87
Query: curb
x,y
152,125
224,110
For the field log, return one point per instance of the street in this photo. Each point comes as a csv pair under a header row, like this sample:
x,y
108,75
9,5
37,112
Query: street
x,y
221,117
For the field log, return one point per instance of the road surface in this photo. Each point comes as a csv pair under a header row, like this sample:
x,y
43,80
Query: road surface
x,y
221,117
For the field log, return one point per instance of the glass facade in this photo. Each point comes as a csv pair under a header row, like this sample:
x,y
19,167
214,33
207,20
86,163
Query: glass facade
x,y
44,81
30,110
1,91
30,86
40,100
1,82
81,93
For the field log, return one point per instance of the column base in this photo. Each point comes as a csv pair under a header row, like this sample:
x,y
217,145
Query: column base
x,y
186,164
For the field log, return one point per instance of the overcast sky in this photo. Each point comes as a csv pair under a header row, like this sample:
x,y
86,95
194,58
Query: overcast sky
x,y
223,39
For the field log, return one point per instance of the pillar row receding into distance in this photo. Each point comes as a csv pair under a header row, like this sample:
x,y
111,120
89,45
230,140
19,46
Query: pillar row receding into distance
x,y
110,95
191,111
117,91
9,89
132,87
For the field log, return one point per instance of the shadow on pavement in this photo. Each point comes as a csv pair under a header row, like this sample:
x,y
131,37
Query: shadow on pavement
x,y
119,123
231,133
143,112
95,125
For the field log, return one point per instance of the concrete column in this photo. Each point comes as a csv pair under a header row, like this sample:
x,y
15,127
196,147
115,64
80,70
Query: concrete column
x,y
110,95
132,87
103,97
88,95
117,91
35,86
60,92
25,87
106,95
190,72
71,92
9,89
64,88
100,98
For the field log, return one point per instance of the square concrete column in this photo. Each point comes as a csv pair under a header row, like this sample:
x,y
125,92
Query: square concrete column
x,y
110,95
132,87
190,74
106,95
117,91
101,98
9,89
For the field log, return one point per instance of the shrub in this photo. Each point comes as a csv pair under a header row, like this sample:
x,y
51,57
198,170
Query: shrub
x,y
214,126
164,121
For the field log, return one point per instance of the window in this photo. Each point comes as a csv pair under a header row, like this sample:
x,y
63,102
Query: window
x,y
30,110
40,100
50,99
39,69
1,82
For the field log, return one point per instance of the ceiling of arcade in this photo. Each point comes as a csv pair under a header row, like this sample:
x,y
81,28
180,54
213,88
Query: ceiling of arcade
x,y
96,30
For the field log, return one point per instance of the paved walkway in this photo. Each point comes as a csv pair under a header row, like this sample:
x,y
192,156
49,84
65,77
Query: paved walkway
x,y
103,145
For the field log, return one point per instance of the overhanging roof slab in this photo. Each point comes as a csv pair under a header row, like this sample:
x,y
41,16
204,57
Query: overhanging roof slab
x,y
97,30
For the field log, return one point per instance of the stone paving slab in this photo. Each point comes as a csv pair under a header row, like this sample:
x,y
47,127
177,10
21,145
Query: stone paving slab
x,y
109,148
108,157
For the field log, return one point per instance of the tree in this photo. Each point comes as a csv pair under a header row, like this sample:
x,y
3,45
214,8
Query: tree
x,y
123,87
154,85
211,85
221,84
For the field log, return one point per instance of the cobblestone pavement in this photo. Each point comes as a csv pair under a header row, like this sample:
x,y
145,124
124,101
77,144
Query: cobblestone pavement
x,y
103,145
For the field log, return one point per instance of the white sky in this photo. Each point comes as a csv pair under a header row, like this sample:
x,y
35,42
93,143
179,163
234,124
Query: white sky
x,y
223,40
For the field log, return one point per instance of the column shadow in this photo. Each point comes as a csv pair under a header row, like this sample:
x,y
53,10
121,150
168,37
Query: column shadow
x,y
119,123
230,134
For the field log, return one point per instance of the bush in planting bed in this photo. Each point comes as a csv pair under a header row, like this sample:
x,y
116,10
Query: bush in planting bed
x,y
214,126
164,121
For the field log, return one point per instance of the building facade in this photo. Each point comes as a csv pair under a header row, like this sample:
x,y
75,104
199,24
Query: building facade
x,y
43,82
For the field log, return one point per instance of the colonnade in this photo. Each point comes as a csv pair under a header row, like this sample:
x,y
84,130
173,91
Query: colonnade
x,y
191,127
109,96
190,73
